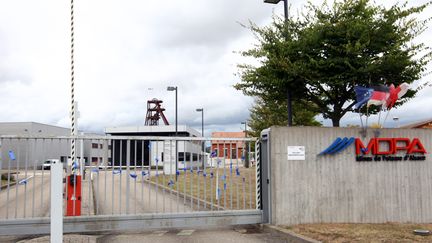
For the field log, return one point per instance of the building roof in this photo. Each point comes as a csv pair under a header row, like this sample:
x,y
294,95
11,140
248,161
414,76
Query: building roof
x,y
161,130
228,134
32,128
419,124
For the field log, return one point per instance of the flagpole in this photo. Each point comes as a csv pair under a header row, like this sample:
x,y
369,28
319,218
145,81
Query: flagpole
x,y
385,119
379,117
367,115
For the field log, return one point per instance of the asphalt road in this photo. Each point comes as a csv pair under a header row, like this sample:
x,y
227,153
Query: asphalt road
x,y
238,234
108,193
30,198
121,193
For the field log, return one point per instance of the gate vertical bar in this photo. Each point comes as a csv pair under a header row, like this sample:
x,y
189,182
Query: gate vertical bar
x,y
204,172
142,169
120,169
34,177
106,159
170,183
163,175
224,173
25,175
17,176
113,142
136,175
1,159
128,155
8,184
184,181
231,173
249,175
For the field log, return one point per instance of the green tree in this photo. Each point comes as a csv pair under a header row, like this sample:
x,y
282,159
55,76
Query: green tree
x,y
321,56
266,114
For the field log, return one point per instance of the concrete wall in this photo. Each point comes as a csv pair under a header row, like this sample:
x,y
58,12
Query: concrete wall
x,y
337,188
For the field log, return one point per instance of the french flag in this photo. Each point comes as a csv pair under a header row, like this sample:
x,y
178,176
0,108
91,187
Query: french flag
x,y
379,95
395,94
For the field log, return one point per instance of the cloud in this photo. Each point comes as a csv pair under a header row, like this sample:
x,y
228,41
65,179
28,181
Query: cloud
x,y
127,52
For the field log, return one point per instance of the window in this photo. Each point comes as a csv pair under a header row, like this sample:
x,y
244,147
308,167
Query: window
x,y
194,157
101,146
216,152
95,145
94,159
181,156
233,153
225,152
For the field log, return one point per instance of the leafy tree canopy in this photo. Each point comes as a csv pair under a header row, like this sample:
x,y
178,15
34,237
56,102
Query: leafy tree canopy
x,y
266,114
323,54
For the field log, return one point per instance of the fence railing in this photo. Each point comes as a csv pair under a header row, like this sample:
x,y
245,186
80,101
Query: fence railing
x,y
128,175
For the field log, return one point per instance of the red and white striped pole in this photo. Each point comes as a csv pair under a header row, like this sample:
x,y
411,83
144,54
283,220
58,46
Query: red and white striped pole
x,y
74,124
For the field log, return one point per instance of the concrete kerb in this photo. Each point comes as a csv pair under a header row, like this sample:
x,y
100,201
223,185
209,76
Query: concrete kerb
x,y
292,237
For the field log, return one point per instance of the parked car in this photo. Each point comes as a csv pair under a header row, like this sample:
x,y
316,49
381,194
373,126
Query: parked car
x,y
47,164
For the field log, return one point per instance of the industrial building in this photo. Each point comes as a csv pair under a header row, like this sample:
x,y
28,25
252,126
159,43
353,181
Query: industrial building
x,y
156,152
228,149
33,152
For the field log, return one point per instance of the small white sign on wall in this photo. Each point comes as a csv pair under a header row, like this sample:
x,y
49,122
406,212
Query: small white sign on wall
x,y
296,153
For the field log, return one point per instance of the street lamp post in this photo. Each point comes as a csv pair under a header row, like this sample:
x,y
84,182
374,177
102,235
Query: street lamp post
x,y
174,88
202,131
246,149
289,94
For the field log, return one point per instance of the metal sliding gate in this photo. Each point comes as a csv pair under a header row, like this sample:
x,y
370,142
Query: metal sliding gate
x,y
131,183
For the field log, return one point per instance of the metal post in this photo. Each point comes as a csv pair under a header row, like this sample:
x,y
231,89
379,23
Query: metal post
x,y
289,95
289,92
176,134
246,154
56,225
286,10
265,175
202,133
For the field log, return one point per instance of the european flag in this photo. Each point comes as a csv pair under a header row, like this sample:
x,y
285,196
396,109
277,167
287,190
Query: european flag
x,y
363,95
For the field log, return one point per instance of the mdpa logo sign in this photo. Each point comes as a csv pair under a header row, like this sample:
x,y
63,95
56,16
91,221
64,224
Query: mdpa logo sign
x,y
380,149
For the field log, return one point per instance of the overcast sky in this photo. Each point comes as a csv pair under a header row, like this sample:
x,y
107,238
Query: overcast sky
x,y
129,51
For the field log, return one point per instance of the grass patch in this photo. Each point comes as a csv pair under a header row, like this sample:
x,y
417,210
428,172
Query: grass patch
x,y
236,191
388,232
